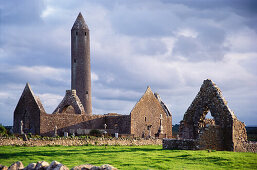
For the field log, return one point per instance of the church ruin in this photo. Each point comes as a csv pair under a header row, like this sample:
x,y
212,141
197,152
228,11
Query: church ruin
x,y
223,132
149,118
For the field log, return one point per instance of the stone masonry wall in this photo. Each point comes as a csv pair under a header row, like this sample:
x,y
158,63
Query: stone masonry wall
x,y
119,123
80,142
239,136
192,144
65,122
211,138
180,144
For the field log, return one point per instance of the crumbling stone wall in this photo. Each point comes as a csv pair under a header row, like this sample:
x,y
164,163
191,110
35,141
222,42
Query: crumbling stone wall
x,y
239,136
208,99
224,132
145,117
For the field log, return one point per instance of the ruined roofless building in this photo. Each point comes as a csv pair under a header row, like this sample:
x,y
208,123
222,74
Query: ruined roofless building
x,y
149,118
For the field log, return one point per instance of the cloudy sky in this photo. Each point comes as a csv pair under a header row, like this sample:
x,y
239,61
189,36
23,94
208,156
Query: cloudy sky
x,y
172,46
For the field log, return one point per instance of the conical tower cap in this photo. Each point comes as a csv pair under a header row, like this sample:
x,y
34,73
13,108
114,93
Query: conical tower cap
x,y
80,23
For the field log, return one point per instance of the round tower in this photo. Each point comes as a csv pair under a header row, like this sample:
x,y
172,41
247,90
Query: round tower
x,y
80,63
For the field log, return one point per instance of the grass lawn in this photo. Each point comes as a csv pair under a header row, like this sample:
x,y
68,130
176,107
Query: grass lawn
x,y
129,157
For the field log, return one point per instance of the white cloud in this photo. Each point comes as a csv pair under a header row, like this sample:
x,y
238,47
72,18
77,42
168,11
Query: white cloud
x,y
94,76
50,101
37,73
243,40
188,33
48,11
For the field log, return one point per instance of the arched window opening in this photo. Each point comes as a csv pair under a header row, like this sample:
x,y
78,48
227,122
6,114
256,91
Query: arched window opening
x,y
206,120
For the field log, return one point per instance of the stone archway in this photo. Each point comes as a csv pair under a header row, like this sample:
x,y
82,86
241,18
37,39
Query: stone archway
x,y
68,109
70,104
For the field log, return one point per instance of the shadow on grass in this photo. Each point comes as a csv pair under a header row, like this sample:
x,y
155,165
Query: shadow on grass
x,y
215,160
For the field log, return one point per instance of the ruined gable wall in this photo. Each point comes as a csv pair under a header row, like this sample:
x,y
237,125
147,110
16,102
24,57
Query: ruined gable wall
x,y
28,110
147,112
210,99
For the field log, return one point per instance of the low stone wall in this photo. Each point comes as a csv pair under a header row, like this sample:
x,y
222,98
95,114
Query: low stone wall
x,y
179,144
250,147
79,142
191,144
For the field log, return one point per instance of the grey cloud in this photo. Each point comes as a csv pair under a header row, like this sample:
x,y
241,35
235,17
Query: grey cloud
x,y
17,13
207,45
149,47
143,22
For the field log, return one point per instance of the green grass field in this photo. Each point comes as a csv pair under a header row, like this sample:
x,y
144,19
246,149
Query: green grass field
x,y
129,157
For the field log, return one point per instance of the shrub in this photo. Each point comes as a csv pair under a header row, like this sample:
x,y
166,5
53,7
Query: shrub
x,y
95,132
3,131
29,135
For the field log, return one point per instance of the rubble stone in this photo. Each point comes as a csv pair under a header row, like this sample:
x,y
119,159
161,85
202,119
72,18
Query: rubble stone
x,y
15,166
57,166
42,165
31,166
2,167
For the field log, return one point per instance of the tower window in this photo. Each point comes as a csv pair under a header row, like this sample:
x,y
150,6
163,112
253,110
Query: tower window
x,y
145,119
76,33
85,33
87,95
75,60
